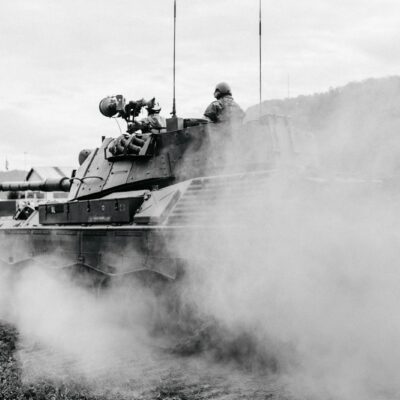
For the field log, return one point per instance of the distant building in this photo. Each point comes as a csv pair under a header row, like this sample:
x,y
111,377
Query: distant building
x,y
11,176
43,173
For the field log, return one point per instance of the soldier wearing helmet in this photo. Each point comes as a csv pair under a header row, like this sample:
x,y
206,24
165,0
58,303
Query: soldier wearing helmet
x,y
224,109
153,120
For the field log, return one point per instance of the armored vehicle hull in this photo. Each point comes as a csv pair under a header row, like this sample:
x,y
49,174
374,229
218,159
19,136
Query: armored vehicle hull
x,y
144,243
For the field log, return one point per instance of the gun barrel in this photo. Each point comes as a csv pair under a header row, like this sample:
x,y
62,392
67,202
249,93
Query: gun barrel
x,y
48,185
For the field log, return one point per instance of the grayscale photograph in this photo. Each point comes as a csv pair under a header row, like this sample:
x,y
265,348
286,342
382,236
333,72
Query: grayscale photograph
x,y
199,199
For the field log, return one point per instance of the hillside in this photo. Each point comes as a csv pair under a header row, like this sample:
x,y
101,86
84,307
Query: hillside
x,y
356,128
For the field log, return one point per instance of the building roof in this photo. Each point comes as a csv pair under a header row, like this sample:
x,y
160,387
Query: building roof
x,y
42,173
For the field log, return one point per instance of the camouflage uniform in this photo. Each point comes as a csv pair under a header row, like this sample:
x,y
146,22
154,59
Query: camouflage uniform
x,y
224,109
152,121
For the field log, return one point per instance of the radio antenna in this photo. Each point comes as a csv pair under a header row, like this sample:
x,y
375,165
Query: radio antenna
x,y
174,100
259,49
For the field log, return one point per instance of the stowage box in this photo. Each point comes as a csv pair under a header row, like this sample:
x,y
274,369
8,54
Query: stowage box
x,y
112,211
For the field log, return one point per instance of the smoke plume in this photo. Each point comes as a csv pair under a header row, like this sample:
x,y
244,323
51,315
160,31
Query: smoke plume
x,y
299,281
309,272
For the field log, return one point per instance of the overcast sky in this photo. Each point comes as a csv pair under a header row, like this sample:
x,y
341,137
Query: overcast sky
x,y
59,58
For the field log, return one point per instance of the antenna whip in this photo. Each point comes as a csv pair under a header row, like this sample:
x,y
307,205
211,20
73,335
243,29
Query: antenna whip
x,y
174,101
259,48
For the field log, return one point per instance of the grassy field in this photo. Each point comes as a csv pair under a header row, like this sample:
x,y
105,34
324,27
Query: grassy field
x,y
171,377
12,386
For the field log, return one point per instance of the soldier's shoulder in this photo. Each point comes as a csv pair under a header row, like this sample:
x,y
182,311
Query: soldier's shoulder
x,y
216,104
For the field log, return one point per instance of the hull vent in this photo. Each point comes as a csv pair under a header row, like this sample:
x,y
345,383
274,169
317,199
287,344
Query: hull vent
x,y
218,200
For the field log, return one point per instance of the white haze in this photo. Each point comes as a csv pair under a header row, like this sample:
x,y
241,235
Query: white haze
x,y
311,273
68,331
315,278
111,343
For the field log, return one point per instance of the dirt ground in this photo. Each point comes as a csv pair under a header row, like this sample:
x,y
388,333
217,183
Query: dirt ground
x,y
29,370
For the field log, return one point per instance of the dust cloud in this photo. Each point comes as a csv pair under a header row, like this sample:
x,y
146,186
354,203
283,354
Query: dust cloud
x,y
115,344
309,273
302,285
67,331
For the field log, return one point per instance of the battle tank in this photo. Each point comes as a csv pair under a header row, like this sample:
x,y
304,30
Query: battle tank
x,y
133,195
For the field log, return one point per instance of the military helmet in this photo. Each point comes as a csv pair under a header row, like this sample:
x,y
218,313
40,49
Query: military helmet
x,y
222,89
153,107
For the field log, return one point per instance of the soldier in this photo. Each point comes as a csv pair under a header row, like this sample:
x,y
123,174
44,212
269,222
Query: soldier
x,y
153,120
224,109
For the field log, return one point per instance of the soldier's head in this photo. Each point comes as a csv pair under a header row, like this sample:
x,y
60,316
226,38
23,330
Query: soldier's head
x,y
221,90
153,107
